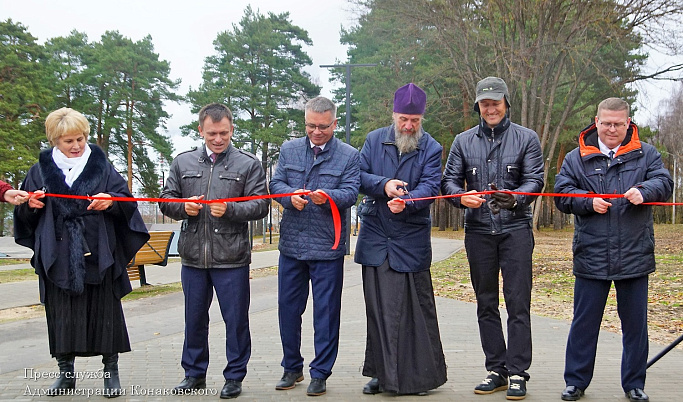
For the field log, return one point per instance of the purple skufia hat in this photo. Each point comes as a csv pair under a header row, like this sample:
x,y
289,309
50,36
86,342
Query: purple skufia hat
x,y
410,99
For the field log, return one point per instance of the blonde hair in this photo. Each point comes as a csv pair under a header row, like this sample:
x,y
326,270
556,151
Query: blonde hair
x,y
614,105
65,121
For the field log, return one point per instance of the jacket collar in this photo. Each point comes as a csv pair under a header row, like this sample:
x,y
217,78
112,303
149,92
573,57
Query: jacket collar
x,y
485,130
87,183
204,157
588,141
329,145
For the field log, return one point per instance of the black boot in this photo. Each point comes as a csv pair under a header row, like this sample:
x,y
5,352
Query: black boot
x,y
66,379
112,385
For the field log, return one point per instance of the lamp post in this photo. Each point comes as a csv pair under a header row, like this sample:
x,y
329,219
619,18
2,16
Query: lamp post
x,y
348,132
270,207
163,183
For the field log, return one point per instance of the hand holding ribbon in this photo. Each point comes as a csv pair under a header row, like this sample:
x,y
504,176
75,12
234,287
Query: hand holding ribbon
x,y
501,200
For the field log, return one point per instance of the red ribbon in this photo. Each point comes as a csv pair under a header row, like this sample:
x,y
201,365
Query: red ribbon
x,y
575,195
336,219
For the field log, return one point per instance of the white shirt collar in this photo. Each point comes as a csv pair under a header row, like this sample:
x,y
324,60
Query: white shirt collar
x,y
605,149
319,146
209,152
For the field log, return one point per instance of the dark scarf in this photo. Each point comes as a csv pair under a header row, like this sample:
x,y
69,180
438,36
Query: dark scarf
x,y
69,212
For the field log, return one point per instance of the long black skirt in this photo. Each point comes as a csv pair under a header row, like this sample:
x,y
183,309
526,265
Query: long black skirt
x,y
403,348
88,324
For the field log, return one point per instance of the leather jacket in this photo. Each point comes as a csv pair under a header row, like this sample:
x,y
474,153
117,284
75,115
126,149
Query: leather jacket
x,y
206,241
509,155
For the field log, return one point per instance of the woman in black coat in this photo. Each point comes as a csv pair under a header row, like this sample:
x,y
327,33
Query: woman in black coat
x,y
81,248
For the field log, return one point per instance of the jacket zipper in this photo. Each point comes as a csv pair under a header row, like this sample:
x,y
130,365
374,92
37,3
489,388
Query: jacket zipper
x,y
603,190
207,233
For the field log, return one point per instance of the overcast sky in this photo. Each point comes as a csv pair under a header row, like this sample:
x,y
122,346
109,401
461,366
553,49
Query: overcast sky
x,y
183,34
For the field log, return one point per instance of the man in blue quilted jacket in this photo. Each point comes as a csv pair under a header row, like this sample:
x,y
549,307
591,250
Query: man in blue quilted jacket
x,y
327,167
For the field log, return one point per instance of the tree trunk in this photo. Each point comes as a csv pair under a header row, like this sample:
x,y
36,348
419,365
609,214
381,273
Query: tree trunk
x,y
443,214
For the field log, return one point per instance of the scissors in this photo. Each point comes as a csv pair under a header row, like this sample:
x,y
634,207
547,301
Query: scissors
x,y
406,192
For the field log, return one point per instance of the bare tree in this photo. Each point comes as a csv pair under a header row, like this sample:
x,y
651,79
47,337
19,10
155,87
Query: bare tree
x,y
669,126
559,57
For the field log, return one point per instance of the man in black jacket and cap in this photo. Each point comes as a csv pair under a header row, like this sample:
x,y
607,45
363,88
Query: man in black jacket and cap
x,y
498,154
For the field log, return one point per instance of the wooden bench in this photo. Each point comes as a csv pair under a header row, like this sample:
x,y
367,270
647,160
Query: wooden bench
x,y
155,251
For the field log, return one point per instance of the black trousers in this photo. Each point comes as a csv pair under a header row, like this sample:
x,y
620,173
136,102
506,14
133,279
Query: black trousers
x,y
590,296
508,254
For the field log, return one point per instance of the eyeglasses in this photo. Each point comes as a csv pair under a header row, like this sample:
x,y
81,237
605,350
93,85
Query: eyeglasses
x,y
321,127
615,126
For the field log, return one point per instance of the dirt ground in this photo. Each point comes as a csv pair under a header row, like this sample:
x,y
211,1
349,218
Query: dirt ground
x,y
552,293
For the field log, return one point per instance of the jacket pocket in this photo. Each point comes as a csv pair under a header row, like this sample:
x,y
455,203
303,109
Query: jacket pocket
x,y
188,244
230,244
473,178
295,175
191,183
593,180
648,242
512,175
329,178
629,172
231,184
367,207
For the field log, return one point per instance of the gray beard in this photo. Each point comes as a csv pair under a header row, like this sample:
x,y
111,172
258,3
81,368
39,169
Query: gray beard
x,y
407,142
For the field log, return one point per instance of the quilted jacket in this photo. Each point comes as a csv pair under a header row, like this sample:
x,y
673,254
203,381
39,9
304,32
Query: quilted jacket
x,y
309,234
509,156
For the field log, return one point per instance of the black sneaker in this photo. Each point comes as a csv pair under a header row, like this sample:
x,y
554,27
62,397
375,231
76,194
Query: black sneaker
x,y
492,383
517,389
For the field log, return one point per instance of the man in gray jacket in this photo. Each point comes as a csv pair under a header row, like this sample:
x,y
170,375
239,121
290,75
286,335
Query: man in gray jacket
x,y
214,244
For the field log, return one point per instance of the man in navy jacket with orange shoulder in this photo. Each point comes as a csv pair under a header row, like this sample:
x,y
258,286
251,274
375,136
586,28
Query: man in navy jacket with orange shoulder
x,y
613,241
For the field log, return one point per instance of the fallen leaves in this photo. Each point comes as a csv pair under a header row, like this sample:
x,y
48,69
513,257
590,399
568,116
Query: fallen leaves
x,y
553,282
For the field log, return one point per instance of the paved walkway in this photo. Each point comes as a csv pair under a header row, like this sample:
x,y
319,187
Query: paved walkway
x,y
156,331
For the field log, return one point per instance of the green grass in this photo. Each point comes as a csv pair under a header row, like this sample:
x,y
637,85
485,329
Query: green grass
x,y
153,290
14,261
669,258
18,275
